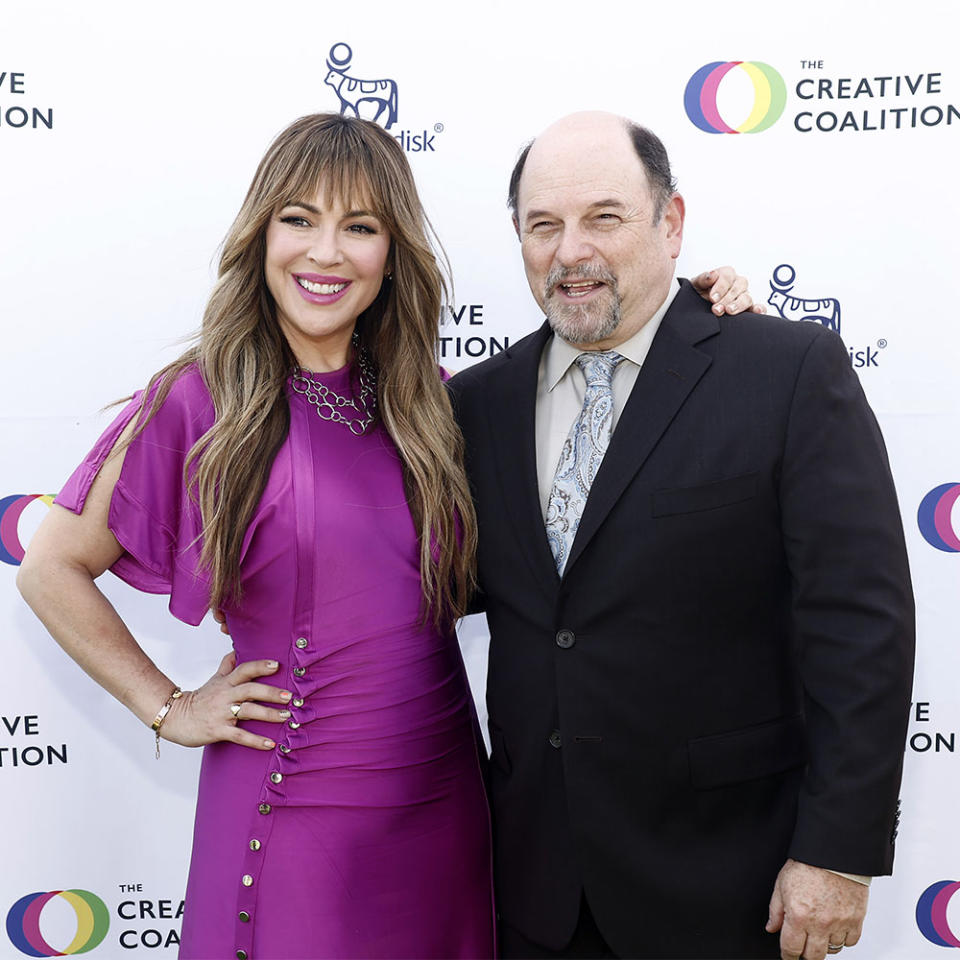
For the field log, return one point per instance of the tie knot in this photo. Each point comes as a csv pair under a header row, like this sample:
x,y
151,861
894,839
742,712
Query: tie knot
x,y
598,367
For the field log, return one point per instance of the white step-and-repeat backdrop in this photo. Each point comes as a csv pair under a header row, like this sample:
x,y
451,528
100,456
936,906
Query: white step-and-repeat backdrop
x,y
816,147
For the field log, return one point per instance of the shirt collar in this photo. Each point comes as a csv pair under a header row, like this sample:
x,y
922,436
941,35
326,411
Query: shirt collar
x,y
560,355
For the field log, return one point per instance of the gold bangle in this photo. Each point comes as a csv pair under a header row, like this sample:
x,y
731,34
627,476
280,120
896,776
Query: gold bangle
x,y
162,715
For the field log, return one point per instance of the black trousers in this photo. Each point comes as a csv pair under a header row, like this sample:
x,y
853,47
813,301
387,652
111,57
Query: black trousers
x,y
587,942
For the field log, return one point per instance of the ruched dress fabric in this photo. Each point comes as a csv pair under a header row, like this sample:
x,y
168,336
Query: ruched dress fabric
x,y
365,832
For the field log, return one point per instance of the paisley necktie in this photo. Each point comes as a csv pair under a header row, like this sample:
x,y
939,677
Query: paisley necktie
x,y
582,453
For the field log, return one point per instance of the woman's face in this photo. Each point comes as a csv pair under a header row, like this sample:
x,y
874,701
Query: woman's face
x,y
324,266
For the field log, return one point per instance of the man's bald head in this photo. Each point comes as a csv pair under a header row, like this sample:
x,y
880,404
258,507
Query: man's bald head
x,y
599,128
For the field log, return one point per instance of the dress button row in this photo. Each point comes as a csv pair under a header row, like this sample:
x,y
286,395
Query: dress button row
x,y
302,643
299,671
293,725
298,702
254,844
241,955
247,880
264,808
244,916
276,777
284,748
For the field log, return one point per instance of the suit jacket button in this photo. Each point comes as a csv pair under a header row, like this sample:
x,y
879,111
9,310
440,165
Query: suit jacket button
x,y
556,740
566,639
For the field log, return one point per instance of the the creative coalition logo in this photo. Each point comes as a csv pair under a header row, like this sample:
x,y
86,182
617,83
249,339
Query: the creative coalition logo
x,y
932,913
935,517
791,305
92,923
373,100
769,97
14,114
11,509
820,103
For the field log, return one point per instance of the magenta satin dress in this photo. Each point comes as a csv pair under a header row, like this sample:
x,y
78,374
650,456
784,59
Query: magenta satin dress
x,y
365,832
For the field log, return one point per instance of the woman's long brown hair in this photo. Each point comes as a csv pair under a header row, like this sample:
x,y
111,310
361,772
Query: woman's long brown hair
x,y
245,360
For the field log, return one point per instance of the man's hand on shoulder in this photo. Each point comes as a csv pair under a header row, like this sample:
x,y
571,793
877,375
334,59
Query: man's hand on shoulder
x,y
726,290
816,911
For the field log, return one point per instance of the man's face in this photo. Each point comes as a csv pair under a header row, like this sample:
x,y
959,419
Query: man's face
x,y
597,263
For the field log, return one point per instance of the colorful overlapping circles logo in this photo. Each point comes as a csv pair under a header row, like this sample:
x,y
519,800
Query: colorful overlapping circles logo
x,y
11,508
935,517
23,923
932,913
769,97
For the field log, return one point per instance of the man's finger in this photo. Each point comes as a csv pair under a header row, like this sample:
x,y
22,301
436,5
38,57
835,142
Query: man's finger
x,y
775,919
793,940
815,947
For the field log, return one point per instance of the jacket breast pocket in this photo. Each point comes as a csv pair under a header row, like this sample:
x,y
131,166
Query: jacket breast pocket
x,y
706,496
747,754
498,750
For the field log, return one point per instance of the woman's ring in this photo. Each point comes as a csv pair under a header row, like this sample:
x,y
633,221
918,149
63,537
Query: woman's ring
x,y
235,710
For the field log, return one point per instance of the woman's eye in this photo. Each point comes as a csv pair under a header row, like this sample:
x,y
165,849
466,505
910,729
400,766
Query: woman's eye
x,y
362,228
295,221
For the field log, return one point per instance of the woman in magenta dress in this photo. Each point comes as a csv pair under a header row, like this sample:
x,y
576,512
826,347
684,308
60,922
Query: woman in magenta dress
x,y
299,468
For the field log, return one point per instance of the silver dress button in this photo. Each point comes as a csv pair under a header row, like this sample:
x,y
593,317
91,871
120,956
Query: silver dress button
x,y
264,808
241,955
293,725
247,880
276,777
244,916
299,671
254,844
284,748
302,643
298,702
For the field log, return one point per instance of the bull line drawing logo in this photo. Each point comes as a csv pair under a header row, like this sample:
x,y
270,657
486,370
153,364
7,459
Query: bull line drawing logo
x,y
825,310
374,97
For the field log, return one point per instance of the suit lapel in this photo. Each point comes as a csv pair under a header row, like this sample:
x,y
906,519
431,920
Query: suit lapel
x,y
512,420
672,369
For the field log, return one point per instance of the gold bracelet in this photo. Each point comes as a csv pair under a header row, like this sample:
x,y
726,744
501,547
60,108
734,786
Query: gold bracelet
x,y
162,715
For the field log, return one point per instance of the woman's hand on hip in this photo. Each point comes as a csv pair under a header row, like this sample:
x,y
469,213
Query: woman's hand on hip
x,y
211,712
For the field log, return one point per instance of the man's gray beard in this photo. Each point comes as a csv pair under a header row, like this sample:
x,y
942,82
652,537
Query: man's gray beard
x,y
591,322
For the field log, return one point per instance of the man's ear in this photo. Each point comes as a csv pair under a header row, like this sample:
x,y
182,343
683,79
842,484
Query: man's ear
x,y
672,222
516,225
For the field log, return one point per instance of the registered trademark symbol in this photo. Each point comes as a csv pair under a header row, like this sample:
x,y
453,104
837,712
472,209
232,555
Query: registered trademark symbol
x,y
438,128
881,343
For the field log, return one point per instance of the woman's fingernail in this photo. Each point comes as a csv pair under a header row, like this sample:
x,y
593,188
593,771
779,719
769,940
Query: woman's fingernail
x,y
285,694
284,714
269,744
272,664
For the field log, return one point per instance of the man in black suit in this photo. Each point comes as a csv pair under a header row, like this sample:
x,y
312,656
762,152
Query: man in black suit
x,y
693,569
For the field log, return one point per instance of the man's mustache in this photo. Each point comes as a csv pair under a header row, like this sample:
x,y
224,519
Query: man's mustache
x,y
586,271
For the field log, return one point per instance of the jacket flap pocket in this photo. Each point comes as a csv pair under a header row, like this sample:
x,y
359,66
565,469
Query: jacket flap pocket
x,y
705,496
747,754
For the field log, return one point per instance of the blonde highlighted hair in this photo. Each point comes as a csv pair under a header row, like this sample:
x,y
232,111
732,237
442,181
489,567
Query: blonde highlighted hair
x,y
245,359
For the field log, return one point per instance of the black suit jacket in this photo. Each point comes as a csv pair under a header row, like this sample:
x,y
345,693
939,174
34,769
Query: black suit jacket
x,y
721,678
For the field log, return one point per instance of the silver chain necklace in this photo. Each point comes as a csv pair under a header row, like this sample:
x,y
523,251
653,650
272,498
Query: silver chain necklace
x,y
329,403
